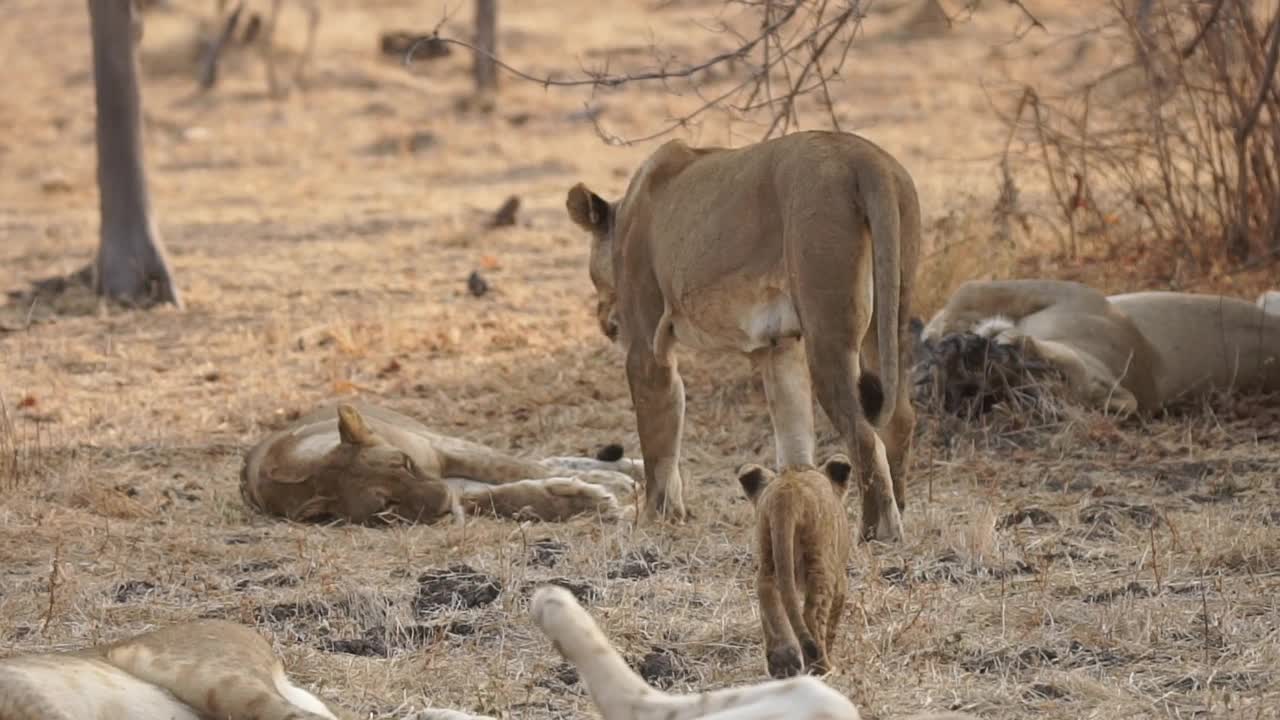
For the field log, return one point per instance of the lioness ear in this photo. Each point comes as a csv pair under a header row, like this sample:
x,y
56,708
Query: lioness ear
x,y
753,479
837,468
352,429
587,209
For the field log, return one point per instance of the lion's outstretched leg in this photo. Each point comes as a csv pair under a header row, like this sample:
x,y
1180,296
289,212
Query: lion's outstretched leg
x,y
1090,381
657,392
620,694
548,499
790,397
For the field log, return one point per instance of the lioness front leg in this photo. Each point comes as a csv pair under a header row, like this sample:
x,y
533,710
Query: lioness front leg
x,y
790,398
657,392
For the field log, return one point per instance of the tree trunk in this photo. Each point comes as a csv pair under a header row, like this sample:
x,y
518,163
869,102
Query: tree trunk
x,y
131,263
485,69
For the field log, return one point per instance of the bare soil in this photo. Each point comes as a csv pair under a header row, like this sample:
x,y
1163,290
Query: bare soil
x,y
323,244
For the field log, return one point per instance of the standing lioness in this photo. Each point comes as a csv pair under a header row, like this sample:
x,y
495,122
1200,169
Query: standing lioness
x,y
802,546
786,251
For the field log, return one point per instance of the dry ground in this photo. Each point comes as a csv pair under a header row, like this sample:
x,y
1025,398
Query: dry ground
x,y
1086,570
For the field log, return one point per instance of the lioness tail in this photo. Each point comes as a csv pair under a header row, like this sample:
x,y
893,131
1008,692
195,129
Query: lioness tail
x,y
880,196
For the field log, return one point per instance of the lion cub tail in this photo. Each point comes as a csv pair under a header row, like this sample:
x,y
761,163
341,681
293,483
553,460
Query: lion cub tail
x,y
782,534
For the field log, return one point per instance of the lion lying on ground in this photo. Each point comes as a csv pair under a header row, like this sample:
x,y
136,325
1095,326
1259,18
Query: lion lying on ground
x,y
619,693
1136,352
802,544
190,671
799,252
360,463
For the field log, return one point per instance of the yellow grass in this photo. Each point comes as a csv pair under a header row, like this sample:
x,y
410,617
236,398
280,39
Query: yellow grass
x,y
313,268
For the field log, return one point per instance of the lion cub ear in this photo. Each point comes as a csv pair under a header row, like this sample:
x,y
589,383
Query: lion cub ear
x,y
753,479
352,429
587,209
837,468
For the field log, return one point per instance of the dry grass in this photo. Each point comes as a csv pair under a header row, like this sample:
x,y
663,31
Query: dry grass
x,y
1091,569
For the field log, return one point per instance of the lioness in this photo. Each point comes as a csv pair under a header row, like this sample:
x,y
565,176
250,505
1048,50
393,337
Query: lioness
x,y
802,541
1135,352
360,463
190,671
785,251
619,693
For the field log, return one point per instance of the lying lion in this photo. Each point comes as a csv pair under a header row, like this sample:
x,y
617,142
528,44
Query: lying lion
x,y
1136,352
190,671
619,693
360,463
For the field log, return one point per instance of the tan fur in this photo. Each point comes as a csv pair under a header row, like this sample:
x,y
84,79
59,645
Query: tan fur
x,y
738,250
192,671
1136,352
620,694
802,543
360,463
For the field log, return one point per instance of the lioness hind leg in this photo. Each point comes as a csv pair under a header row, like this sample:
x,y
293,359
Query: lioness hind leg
x,y
899,430
834,368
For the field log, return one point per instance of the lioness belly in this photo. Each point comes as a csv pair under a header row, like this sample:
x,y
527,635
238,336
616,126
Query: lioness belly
x,y
83,689
745,327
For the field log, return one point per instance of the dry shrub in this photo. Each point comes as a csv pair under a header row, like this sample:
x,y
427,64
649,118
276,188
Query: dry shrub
x,y
1181,146
968,375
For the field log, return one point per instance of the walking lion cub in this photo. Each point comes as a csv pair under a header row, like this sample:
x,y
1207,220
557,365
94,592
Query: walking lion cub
x,y
802,541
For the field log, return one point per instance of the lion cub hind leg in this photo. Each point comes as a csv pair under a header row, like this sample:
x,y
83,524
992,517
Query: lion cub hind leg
x,y
220,669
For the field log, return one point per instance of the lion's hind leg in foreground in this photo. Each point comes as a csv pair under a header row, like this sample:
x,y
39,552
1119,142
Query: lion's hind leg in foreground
x,y
620,694
185,672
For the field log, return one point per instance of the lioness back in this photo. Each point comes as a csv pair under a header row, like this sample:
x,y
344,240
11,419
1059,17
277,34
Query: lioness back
x,y
802,547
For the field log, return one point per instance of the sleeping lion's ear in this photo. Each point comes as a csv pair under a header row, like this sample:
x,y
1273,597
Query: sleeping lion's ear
x,y
352,429
587,209
753,480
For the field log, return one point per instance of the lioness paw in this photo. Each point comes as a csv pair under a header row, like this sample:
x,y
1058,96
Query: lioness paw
x,y
784,662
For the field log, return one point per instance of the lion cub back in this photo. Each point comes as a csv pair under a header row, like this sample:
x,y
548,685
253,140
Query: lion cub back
x,y
802,546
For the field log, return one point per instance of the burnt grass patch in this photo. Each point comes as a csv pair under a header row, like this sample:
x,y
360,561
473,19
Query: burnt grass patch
x,y
547,553
637,564
457,588
383,641
584,591
950,568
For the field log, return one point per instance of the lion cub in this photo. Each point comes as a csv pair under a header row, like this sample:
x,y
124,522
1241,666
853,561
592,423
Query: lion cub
x,y
802,540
